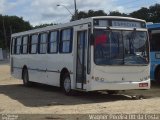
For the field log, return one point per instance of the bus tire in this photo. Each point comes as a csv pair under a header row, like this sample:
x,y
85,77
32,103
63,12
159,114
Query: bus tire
x,y
111,92
66,86
157,75
26,82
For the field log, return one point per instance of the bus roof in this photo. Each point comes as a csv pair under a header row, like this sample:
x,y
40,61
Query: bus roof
x,y
117,17
153,26
73,23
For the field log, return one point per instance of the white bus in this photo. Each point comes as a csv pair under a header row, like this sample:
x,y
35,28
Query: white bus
x,y
94,54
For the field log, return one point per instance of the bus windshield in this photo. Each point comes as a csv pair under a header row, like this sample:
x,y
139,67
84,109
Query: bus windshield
x,y
121,47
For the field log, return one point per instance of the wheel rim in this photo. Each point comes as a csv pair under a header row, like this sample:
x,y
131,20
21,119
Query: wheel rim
x,y
67,84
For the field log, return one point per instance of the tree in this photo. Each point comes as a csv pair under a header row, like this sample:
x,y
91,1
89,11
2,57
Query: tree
x,y
90,13
151,14
9,25
143,13
154,13
43,25
116,13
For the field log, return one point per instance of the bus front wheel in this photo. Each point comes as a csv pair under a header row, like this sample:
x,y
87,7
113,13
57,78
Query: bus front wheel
x,y
67,84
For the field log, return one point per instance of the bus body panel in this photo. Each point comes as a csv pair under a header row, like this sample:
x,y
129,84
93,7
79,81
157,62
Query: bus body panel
x,y
121,73
100,86
154,29
43,68
154,64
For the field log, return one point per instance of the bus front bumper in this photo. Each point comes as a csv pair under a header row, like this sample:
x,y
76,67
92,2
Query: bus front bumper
x,y
98,85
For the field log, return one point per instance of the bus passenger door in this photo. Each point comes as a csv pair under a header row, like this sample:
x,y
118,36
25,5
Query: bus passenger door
x,y
81,59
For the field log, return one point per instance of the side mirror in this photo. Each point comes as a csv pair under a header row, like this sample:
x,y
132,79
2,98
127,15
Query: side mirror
x,y
92,39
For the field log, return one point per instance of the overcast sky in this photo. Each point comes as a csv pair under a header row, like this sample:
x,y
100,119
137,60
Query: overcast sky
x,y
46,11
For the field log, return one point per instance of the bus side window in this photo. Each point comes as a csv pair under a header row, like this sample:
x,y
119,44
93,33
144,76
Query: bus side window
x,y
13,46
18,45
53,42
34,44
43,43
25,45
66,41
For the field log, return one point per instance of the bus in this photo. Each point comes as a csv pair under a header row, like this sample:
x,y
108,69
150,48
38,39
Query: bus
x,y
94,54
154,33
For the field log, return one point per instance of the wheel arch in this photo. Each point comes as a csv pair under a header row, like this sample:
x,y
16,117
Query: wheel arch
x,y
62,73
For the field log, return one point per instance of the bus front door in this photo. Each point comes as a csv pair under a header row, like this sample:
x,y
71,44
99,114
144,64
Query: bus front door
x,y
81,59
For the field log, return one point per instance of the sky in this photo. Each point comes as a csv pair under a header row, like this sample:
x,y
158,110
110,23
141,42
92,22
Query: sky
x,y
46,11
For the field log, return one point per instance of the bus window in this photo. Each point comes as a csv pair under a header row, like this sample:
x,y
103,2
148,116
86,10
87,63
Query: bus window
x,y
13,45
101,47
66,41
53,42
18,45
25,45
43,43
34,44
155,42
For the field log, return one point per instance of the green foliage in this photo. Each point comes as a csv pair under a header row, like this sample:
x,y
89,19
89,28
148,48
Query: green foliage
x,y
154,13
9,25
117,13
90,13
43,25
143,13
151,14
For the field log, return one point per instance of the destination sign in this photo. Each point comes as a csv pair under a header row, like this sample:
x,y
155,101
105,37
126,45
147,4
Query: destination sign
x,y
126,24
119,23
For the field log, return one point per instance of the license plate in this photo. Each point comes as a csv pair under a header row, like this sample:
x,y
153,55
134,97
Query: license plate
x,y
143,84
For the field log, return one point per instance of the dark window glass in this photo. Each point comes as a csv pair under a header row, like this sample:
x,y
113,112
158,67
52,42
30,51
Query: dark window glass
x,y
18,45
43,43
136,49
25,45
34,44
66,41
53,42
13,45
155,42
121,47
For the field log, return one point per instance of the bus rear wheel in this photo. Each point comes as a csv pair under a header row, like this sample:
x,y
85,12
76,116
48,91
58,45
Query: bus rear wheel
x,y
158,75
26,78
67,85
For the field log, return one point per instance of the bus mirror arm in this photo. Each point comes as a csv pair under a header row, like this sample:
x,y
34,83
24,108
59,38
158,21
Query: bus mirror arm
x,y
91,39
135,29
